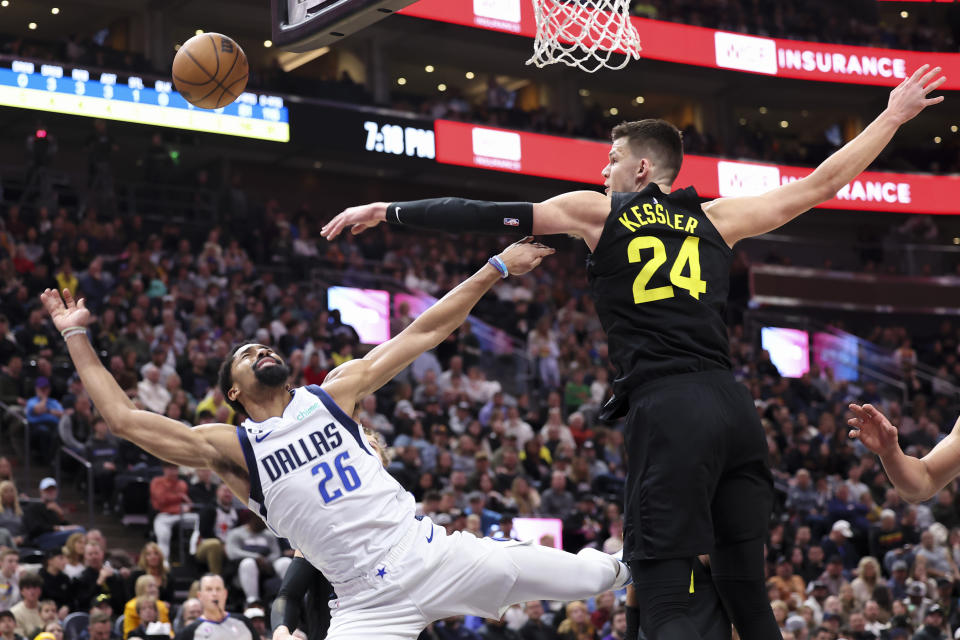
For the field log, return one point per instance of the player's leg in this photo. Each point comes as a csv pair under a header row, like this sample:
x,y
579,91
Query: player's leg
x,y
376,614
741,513
742,508
550,574
673,465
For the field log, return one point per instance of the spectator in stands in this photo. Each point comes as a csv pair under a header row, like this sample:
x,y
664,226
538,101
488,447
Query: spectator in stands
x,y
867,580
99,580
11,515
577,625
102,450
256,554
98,628
932,628
151,562
786,581
151,392
150,627
43,416
8,626
837,544
145,587
57,585
76,424
215,521
203,489
73,551
618,625
169,498
27,611
9,578
44,522
190,610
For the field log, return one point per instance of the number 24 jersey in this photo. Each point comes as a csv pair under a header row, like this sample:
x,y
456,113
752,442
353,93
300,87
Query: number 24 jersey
x,y
659,276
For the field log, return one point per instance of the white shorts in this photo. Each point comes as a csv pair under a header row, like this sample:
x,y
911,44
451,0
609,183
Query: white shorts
x,y
427,576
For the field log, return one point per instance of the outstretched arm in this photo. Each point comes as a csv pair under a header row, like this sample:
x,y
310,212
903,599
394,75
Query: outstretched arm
x,y
578,213
915,479
739,218
355,379
165,438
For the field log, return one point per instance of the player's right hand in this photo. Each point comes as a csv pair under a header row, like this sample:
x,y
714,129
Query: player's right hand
x,y
65,312
872,429
524,256
910,97
357,218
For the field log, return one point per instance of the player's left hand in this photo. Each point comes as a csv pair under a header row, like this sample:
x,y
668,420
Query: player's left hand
x,y
358,219
65,312
910,97
525,255
872,429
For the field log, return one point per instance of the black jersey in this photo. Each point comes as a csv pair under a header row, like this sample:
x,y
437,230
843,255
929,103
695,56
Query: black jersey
x,y
660,276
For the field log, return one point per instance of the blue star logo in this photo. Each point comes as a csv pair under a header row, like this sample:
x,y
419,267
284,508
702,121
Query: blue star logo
x,y
382,571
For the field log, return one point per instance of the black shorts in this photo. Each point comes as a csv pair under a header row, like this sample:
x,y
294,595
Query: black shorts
x,y
697,466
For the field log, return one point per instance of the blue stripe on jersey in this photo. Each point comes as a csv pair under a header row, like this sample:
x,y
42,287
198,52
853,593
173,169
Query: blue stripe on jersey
x,y
342,417
256,489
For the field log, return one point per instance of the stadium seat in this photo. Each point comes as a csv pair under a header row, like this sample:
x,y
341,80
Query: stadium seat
x,y
75,624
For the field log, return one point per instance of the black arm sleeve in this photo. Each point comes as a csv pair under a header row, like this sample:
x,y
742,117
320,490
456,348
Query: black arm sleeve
x,y
456,215
286,606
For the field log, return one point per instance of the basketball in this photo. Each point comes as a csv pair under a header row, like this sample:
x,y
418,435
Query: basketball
x,y
210,70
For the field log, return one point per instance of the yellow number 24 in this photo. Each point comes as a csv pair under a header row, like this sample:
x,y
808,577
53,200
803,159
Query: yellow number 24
x,y
689,257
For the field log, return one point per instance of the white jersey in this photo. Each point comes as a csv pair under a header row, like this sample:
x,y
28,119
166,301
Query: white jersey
x,y
315,481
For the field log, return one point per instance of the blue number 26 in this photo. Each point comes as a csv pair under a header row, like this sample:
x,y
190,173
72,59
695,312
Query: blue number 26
x,y
348,477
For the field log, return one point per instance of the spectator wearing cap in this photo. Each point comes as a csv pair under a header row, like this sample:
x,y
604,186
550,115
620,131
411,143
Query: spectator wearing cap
x,y
917,602
258,619
833,576
932,628
817,594
44,522
786,581
898,581
27,611
475,505
8,625
43,417
797,626
837,543
57,585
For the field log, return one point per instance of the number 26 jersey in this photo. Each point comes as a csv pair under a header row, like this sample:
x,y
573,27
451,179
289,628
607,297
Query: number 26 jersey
x,y
315,481
659,277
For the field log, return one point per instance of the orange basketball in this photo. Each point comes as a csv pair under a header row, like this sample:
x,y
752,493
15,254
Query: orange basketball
x,y
210,70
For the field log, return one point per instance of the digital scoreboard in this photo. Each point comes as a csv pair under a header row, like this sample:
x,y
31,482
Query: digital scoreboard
x,y
130,98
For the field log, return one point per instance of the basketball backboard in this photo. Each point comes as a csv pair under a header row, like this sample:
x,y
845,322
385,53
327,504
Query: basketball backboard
x,y
304,25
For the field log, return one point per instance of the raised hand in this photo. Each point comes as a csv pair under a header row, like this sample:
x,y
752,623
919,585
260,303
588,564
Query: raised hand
x,y
524,255
65,312
872,429
910,97
357,218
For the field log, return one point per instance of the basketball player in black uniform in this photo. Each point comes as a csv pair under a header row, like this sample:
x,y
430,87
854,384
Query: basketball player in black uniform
x,y
659,267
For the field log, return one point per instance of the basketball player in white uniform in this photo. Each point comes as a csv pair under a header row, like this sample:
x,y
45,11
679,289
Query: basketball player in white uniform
x,y
305,468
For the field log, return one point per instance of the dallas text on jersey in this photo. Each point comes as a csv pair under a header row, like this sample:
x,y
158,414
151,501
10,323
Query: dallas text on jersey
x,y
289,458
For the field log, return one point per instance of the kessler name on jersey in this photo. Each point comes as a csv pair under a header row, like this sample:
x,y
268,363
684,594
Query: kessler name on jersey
x,y
305,450
640,216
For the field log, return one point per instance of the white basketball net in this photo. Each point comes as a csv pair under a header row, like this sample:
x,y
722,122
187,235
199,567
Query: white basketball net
x,y
587,34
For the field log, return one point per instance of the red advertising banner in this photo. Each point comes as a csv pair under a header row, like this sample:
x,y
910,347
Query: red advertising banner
x,y
703,47
575,160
